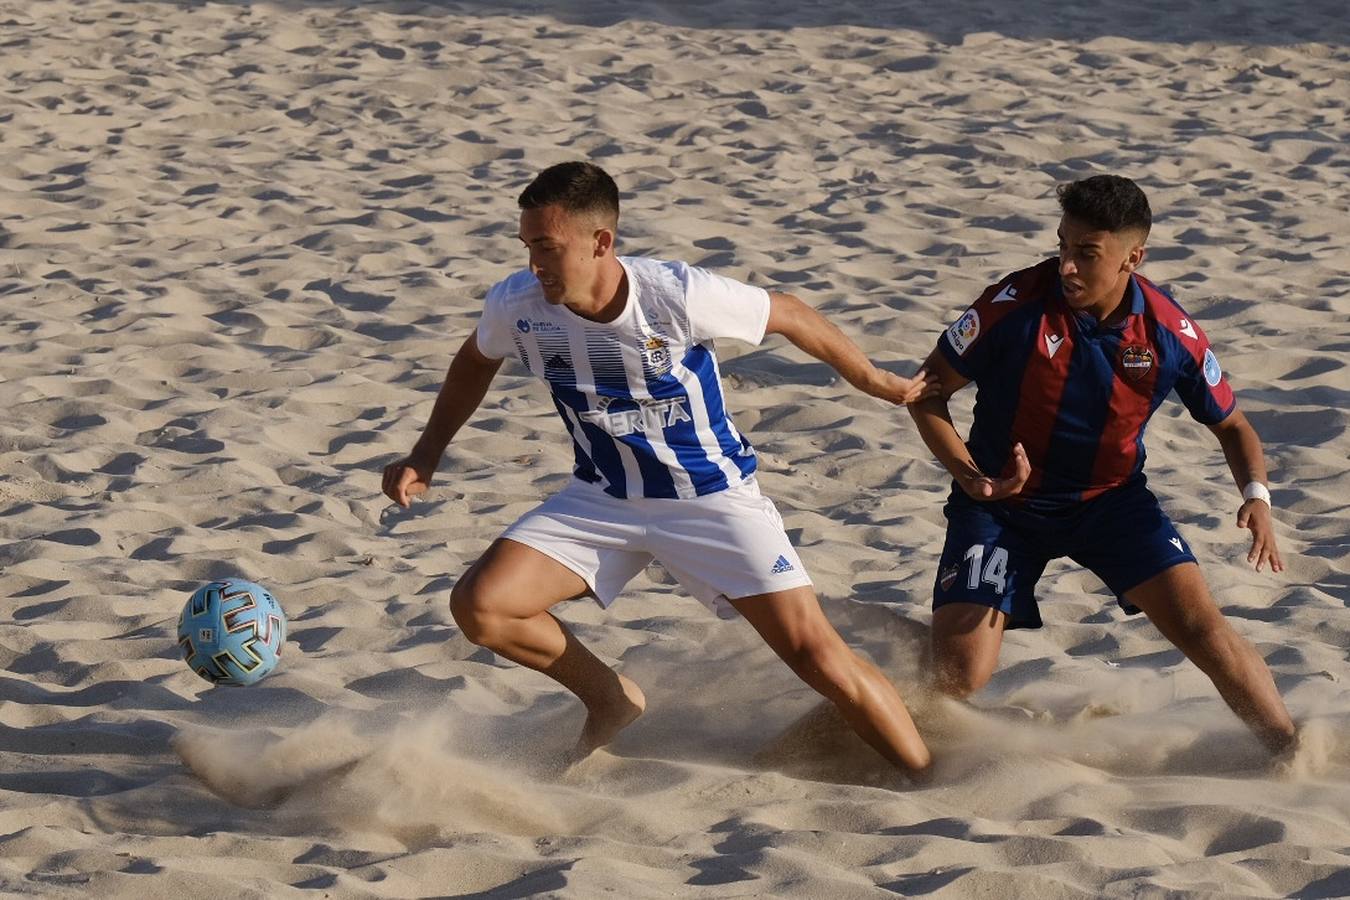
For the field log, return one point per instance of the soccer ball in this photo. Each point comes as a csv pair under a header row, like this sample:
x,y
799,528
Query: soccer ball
x,y
231,632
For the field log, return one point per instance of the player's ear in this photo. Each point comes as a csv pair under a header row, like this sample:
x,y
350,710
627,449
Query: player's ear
x,y
1135,258
604,241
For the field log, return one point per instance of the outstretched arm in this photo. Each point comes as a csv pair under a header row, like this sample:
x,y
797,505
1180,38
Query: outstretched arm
x,y
812,333
465,384
934,421
1242,448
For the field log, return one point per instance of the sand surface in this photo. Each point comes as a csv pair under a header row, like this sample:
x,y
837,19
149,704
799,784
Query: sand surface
x,y
238,243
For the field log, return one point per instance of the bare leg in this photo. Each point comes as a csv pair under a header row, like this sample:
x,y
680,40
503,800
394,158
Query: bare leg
x,y
966,640
794,625
1178,602
502,603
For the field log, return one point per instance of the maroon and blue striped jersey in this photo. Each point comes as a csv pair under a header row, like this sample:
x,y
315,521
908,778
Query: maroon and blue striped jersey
x,y
1075,393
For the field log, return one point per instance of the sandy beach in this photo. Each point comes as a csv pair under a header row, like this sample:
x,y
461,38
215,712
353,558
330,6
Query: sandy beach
x,y
239,243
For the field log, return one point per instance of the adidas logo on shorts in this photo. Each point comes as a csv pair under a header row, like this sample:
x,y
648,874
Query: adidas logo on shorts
x,y
781,565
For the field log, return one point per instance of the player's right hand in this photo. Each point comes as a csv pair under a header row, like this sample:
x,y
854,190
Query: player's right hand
x,y
404,480
902,391
982,487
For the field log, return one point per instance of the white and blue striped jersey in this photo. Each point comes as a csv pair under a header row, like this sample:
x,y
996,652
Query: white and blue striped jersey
x,y
641,396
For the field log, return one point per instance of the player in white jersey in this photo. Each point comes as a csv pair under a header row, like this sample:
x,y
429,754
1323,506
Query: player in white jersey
x,y
626,347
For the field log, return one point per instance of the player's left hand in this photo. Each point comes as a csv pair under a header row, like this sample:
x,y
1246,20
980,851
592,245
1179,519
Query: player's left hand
x,y
985,489
1255,516
902,391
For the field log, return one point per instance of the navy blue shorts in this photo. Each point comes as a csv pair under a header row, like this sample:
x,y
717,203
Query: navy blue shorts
x,y
995,552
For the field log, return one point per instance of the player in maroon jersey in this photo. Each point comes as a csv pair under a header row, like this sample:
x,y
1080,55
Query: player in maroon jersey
x,y
1070,359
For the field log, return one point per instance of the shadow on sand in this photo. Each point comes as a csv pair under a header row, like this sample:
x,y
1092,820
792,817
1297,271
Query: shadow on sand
x,y
1255,22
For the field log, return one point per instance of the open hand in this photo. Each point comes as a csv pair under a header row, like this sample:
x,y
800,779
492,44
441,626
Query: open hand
x,y
1255,515
983,487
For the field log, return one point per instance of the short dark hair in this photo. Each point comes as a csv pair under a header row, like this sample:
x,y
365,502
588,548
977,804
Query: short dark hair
x,y
1106,203
578,187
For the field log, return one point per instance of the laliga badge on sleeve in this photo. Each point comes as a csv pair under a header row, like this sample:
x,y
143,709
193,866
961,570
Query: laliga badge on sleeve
x,y
1213,374
964,331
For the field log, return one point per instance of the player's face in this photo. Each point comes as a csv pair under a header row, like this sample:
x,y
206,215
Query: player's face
x,y
1095,265
565,251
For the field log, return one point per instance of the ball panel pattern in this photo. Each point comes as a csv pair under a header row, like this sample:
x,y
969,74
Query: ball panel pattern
x,y
232,632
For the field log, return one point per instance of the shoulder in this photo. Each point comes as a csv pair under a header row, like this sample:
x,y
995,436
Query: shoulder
x,y
1184,346
1013,297
1169,316
1024,286
519,287
678,284
652,267
658,276
512,295
673,271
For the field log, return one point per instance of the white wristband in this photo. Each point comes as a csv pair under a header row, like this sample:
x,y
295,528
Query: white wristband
x,y
1256,491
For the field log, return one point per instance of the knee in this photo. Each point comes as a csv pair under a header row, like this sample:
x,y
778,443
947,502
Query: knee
x,y
958,677
471,608
964,645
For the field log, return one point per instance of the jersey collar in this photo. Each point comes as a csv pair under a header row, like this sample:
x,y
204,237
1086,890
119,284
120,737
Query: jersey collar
x,y
1134,296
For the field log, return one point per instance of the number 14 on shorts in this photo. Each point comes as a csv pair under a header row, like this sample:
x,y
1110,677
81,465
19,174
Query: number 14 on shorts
x,y
994,572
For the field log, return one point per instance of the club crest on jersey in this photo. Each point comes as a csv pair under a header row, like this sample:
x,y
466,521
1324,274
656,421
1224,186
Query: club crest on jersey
x,y
1136,362
948,575
1213,374
656,355
964,331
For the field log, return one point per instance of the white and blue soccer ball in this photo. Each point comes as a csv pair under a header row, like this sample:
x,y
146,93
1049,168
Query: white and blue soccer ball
x,y
232,632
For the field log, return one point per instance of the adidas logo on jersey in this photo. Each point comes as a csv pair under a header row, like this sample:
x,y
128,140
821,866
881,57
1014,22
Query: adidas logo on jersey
x,y
781,565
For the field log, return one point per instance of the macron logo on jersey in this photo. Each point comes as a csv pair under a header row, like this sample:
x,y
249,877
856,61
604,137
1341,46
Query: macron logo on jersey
x,y
1007,295
1052,342
1188,329
781,565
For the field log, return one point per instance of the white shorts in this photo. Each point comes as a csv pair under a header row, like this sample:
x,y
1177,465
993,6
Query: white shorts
x,y
730,544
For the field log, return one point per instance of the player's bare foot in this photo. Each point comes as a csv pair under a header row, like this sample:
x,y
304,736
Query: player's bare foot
x,y
603,722
1306,753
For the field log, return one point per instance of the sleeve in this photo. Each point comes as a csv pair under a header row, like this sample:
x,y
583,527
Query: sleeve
x,y
1201,384
968,343
494,331
719,307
